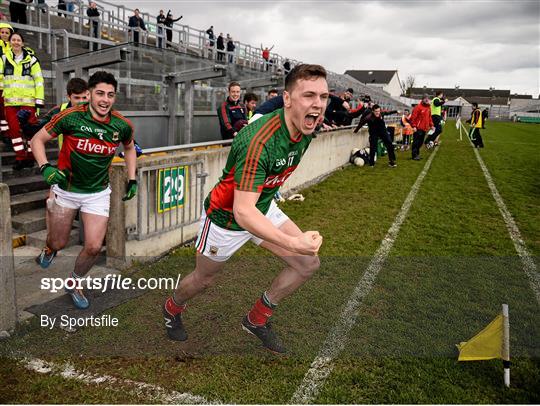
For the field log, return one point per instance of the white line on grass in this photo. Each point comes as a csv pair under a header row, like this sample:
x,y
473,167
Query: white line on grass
x,y
513,230
149,392
337,338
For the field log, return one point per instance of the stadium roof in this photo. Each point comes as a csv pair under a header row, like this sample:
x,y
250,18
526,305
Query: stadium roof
x,y
521,96
417,92
372,76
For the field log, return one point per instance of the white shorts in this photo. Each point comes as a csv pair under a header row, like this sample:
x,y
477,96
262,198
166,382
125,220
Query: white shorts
x,y
219,244
91,203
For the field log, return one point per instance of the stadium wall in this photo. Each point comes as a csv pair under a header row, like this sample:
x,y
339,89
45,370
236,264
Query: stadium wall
x,y
327,153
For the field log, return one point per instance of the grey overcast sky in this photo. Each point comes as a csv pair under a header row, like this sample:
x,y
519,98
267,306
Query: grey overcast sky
x,y
442,43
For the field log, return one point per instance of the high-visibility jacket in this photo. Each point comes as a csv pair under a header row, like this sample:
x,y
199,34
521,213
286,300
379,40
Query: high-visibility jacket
x,y
23,81
476,119
436,110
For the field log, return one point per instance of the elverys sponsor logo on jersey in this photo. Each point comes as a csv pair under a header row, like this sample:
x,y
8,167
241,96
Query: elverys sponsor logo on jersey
x,y
93,146
278,180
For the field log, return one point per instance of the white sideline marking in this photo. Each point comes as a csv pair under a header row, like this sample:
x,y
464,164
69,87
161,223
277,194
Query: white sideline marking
x,y
337,338
523,253
148,391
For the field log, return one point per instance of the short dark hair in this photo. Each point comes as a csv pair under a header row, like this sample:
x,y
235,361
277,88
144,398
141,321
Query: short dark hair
x,y
250,97
303,71
375,107
76,86
232,84
102,77
16,33
350,90
273,91
474,104
438,92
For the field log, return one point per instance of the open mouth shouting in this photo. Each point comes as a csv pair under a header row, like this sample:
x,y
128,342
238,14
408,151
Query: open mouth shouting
x,y
311,120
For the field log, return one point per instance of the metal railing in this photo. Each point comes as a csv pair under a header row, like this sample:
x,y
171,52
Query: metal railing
x,y
170,197
113,22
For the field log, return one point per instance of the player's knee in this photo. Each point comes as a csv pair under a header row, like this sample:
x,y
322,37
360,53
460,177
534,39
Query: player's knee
x,y
204,281
57,245
310,265
92,249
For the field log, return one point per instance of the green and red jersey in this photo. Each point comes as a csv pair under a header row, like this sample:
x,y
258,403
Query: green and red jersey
x,y
89,146
263,156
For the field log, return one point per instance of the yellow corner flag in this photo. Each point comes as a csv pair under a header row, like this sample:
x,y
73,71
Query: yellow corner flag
x,y
487,344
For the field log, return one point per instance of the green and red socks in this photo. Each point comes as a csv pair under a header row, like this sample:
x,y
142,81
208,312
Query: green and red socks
x,y
173,308
261,311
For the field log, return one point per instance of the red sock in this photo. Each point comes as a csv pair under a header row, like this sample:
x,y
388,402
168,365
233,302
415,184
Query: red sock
x,y
172,308
259,313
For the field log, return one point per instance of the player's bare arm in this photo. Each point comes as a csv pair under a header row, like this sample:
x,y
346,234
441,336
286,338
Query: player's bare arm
x,y
251,219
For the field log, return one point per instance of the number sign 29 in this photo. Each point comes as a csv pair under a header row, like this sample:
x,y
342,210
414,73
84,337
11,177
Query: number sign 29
x,y
172,188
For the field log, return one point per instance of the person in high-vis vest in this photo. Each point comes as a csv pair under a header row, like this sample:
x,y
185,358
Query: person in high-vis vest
x,y
5,32
436,116
476,122
21,74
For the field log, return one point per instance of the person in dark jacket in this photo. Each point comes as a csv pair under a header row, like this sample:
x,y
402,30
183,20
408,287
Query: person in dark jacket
x,y
232,113
220,44
17,11
377,130
93,13
211,36
230,48
169,21
338,108
136,24
160,20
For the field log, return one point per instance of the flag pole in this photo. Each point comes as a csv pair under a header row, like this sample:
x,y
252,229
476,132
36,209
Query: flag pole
x,y
506,345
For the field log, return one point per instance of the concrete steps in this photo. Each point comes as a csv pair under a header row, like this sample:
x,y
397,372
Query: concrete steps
x,y
28,201
27,184
38,238
29,222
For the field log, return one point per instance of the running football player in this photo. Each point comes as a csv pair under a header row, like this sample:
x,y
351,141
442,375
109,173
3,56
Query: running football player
x,y
240,207
92,132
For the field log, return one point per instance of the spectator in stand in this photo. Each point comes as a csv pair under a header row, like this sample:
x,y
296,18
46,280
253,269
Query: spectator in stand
x,y
93,13
230,48
271,94
266,55
406,130
220,46
421,123
377,130
136,24
61,6
286,67
436,116
169,22
20,72
211,36
476,124
232,113
250,101
17,11
338,108
160,20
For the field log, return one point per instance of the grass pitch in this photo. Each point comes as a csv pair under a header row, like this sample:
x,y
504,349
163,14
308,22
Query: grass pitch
x,y
451,268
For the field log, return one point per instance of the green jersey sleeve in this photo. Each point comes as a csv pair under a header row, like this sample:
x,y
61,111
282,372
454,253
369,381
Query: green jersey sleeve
x,y
251,166
59,123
